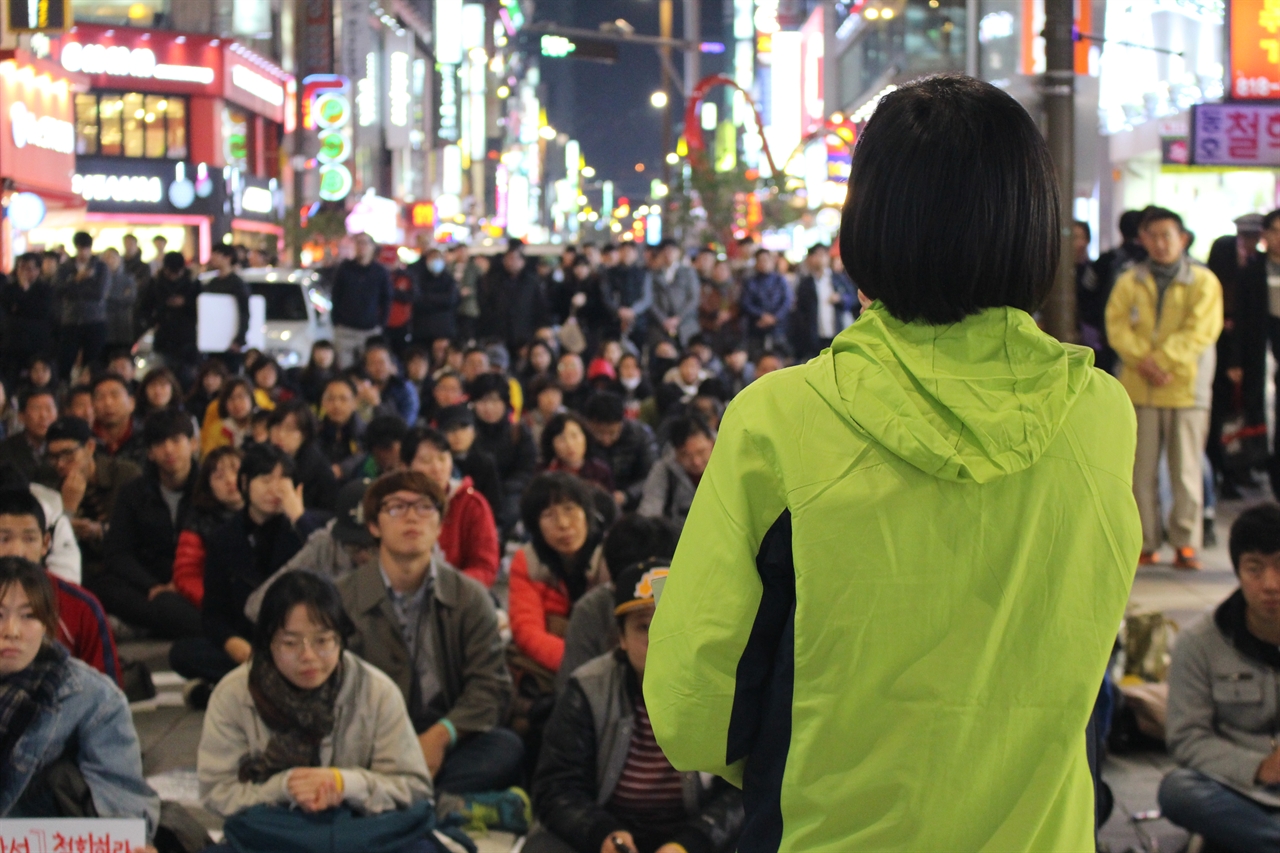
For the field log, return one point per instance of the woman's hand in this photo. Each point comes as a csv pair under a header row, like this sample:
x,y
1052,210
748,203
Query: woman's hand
x,y
314,789
613,842
290,499
238,649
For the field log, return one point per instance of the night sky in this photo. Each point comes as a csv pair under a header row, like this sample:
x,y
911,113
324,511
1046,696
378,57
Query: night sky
x,y
606,107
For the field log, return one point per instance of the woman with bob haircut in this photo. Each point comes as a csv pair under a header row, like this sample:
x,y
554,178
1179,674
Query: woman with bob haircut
x,y
305,724
567,518
68,747
903,569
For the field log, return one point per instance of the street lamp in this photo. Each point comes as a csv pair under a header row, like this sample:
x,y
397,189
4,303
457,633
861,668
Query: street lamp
x,y
659,100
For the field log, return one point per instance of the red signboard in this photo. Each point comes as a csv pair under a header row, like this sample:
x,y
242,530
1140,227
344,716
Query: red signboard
x,y
37,126
175,64
1255,49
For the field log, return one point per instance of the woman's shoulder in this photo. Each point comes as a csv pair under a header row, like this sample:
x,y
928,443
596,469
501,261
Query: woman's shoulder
x,y
367,682
89,687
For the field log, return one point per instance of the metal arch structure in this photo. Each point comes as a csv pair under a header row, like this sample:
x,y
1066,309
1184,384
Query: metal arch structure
x,y
693,126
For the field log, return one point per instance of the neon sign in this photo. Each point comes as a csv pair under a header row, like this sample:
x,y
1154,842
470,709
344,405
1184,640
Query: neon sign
x,y
255,84
120,61
42,132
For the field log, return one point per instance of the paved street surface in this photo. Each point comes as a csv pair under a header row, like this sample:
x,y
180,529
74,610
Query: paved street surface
x,y
170,733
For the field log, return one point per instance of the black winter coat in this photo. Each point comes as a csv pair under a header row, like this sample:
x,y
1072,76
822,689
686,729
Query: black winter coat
x,y
238,559
567,784
142,539
170,306
435,305
28,318
512,309
314,472
361,295
630,459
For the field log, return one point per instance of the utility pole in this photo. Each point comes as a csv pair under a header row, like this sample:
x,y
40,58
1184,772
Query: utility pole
x,y
1059,106
693,35
664,29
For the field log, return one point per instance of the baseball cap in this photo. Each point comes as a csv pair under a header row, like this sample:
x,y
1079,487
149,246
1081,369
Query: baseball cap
x,y
349,527
633,588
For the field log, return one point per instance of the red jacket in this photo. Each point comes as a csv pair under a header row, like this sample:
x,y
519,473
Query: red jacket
x,y
468,535
188,567
83,629
535,595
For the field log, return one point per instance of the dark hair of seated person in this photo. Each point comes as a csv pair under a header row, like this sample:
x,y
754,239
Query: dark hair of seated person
x,y
953,205
164,424
635,538
1255,531
686,427
416,437
321,598
39,589
303,419
259,460
557,487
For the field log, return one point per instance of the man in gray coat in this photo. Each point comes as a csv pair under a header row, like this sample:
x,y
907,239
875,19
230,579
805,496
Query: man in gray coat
x,y
673,314
435,632
1224,703
669,490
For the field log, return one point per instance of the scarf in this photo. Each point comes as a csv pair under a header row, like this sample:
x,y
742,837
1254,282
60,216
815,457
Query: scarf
x,y
299,720
24,693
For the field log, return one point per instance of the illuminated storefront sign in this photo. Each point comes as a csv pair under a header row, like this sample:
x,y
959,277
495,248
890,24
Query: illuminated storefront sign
x,y
120,61
42,132
257,200
124,189
448,128
367,92
37,149
1235,135
1255,49
176,63
244,77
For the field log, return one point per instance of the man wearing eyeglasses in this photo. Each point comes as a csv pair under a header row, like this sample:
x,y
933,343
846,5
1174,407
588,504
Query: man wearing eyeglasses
x,y
89,484
435,632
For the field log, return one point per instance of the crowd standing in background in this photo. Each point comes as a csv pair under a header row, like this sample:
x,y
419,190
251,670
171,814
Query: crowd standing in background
x,y
484,468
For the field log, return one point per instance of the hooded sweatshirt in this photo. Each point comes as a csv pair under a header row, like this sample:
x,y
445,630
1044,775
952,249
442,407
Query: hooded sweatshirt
x,y
895,595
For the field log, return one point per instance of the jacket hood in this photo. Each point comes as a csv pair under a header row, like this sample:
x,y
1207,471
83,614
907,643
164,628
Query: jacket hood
x,y
969,402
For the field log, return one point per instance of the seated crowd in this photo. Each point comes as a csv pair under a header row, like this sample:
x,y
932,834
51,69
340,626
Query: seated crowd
x,y
408,591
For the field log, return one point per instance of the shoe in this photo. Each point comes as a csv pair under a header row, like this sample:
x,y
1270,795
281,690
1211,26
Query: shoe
x,y
506,811
196,693
1210,534
1187,559
1147,558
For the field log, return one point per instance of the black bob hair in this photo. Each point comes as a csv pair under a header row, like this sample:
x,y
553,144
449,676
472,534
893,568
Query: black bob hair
x,y
293,588
259,461
953,204
416,437
1256,531
165,424
557,487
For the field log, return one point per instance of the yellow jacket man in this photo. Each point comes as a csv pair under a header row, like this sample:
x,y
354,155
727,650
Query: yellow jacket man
x,y
1163,318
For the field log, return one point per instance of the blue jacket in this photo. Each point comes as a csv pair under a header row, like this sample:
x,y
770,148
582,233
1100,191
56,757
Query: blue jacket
x,y
361,295
766,294
400,398
89,707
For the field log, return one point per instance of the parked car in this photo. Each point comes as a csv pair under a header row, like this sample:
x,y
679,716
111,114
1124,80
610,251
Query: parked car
x,y
299,313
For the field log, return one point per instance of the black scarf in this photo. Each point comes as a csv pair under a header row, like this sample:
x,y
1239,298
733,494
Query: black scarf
x,y
24,693
1230,619
299,720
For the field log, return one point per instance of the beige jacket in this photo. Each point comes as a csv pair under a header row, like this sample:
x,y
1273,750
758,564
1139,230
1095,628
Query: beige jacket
x,y
373,744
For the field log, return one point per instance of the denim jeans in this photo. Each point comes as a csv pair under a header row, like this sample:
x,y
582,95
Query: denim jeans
x,y
1225,818
489,761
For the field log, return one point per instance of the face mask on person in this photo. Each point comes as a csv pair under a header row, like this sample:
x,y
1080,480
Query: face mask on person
x,y
631,383
436,265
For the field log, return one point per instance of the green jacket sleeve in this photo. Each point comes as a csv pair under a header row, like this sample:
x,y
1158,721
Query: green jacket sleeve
x,y
710,601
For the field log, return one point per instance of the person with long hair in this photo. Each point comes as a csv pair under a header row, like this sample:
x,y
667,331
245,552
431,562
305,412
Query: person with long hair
x,y
68,747
899,583
215,500
204,391
229,424
566,446
305,724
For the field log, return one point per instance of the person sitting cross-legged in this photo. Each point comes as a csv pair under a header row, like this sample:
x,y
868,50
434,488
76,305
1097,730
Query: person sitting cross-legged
x,y
1223,706
435,632
602,783
308,727
68,747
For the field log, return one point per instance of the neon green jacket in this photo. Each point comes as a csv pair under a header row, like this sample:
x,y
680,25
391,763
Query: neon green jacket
x,y
895,596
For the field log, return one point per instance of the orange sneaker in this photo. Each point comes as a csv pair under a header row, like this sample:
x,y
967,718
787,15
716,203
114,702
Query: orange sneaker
x,y
1147,558
1187,559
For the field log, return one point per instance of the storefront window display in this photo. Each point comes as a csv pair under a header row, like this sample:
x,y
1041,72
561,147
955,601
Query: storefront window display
x,y
131,124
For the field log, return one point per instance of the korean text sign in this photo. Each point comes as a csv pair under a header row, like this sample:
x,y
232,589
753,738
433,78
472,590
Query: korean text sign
x,y
1235,135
